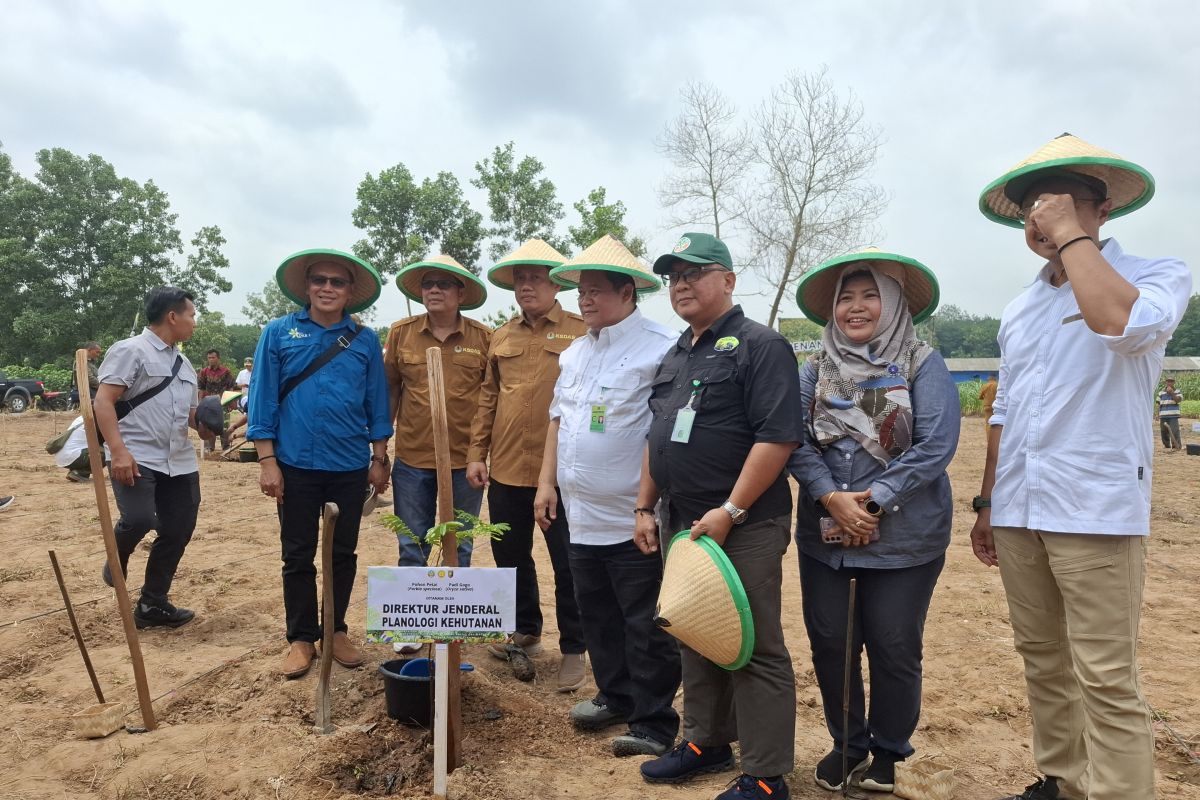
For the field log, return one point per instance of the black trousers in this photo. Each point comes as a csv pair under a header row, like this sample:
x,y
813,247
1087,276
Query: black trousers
x,y
167,504
305,492
635,663
514,505
889,620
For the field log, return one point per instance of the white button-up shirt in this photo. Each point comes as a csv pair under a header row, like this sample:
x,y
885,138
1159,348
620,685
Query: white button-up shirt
x,y
1076,406
607,372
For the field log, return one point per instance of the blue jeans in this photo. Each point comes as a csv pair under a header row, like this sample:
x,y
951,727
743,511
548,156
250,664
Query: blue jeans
x,y
414,495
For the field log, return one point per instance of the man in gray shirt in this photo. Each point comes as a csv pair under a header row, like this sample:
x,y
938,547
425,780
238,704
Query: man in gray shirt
x,y
153,466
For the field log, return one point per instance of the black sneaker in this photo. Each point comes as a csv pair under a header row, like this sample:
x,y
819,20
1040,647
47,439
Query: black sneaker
x,y
748,787
106,573
592,715
881,775
828,773
163,615
1041,789
636,743
686,760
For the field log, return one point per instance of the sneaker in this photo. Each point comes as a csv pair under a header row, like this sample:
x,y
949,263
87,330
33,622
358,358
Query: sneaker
x,y
6,502
106,573
881,775
75,476
636,743
572,672
687,760
592,715
828,773
163,615
406,648
749,787
529,642
1041,789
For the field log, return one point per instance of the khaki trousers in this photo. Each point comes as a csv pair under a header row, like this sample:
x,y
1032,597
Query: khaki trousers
x,y
1075,602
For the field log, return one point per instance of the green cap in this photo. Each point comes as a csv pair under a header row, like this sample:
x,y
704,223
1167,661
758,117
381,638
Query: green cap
x,y
698,248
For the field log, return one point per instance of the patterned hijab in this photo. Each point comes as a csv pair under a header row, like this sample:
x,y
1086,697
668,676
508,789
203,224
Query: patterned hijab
x,y
862,389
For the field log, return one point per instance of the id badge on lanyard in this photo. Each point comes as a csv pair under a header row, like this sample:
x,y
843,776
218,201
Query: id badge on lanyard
x,y
686,417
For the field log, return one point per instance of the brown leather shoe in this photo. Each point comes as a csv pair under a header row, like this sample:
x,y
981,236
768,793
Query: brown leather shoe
x,y
298,660
572,672
344,651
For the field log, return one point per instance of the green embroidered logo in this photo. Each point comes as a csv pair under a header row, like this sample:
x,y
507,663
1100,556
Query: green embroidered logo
x,y
683,244
726,343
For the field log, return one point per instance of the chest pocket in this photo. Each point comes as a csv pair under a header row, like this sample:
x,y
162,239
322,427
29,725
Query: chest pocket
x,y
413,370
618,386
719,388
662,389
466,374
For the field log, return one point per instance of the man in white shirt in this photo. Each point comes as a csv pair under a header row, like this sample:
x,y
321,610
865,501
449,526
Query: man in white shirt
x,y
599,419
1069,461
243,383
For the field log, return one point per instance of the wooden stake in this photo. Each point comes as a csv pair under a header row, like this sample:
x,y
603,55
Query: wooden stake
x,y
323,720
846,688
96,457
87,662
445,513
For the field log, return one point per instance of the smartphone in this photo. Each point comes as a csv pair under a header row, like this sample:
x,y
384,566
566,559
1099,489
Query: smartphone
x,y
831,532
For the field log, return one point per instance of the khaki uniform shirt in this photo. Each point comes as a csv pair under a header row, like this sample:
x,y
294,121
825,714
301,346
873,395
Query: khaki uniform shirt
x,y
464,358
514,404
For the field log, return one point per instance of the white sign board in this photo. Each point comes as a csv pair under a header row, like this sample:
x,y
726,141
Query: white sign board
x,y
441,604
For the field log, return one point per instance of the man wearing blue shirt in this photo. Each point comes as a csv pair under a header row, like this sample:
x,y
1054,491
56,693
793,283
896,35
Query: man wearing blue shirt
x,y
321,434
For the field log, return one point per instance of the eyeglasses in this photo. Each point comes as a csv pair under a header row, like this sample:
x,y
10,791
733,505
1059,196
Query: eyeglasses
x,y
321,280
445,284
690,275
1024,211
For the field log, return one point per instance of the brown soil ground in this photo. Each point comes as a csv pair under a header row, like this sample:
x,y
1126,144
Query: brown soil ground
x,y
231,727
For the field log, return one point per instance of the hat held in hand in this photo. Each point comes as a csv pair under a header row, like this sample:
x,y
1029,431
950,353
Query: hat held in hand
x,y
702,603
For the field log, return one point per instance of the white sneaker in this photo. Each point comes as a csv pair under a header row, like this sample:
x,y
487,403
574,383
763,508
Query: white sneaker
x,y
406,648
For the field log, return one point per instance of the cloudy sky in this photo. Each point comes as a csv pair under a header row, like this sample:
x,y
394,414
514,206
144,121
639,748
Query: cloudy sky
x,y
263,117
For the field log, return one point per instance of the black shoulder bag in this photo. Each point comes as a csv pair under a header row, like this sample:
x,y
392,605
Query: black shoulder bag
x,y
342,343
125,407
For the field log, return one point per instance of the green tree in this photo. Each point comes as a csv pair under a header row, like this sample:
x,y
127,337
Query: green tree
x,y
243,339
262,307
597,218
1186,341
211,334
523,204
498,318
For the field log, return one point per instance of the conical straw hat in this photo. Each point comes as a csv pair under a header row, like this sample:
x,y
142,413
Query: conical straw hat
x,y
609,255
1129,186
815,293
409,280
535,252
702,603
292,277
229,396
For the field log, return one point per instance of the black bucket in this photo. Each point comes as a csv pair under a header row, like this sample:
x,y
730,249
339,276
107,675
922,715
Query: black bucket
x,y
408,687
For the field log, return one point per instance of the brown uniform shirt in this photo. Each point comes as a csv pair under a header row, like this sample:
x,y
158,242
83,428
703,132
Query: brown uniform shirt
x,y
514,404
987,393
464,359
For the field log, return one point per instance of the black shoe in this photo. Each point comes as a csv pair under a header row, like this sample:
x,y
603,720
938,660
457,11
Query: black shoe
x,y
881,775
592,715
748,787
636,743
828,773
1041,789
164,615
686,760
106,573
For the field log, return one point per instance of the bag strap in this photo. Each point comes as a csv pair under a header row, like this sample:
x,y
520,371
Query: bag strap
x,y
340,344
124,407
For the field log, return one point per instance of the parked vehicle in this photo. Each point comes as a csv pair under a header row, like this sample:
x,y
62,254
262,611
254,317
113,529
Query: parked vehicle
x,y
59,401
19,393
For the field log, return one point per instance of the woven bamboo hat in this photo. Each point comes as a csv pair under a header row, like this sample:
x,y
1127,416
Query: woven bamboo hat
x,y
534,252
815,295
229,396
292,277
1128,186
702,603
409,280
608,255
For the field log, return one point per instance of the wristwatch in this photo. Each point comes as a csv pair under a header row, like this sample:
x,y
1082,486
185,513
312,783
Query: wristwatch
x,y
873,508
979,502
738,514
381,459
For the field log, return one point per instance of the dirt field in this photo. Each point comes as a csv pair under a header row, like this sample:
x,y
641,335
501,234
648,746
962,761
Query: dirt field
x,y
230,727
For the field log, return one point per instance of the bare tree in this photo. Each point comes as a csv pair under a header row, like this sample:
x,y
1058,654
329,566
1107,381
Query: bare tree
x,y
709,152
810,196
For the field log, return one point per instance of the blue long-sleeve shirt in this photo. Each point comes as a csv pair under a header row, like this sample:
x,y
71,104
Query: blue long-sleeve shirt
x,y
913,488
329,420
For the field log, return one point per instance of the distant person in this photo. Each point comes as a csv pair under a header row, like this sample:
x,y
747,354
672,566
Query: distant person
x,y
152,462
70,450
1064,505
987,396
93,357
445,288
319,422
215,379
242,382
1168,415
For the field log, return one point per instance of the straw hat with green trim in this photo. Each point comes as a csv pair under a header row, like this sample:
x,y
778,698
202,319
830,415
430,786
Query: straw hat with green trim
x,y
534,252
409,280
1128,186
815,295
292,277
701,602
230,396
608,255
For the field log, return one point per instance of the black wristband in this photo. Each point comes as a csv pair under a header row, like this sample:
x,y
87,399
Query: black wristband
x,y
264,458
1073,241
649,511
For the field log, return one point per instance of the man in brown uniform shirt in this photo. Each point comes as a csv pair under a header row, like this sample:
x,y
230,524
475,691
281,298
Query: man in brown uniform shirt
x,y
510,427
444,287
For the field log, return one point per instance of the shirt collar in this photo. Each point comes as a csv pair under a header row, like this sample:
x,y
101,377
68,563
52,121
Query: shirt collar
x,y
731,317
345,321
553,316
616,331
462,324
152,337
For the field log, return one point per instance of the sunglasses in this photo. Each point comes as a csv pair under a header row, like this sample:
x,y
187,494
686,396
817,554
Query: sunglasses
x,y
690,275
445,284
321,280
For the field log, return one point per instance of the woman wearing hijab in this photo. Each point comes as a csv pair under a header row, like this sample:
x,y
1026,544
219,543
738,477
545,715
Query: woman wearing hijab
x,y
882,421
